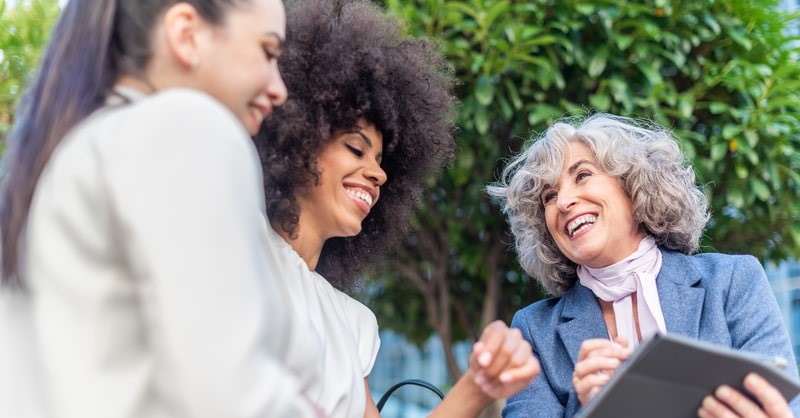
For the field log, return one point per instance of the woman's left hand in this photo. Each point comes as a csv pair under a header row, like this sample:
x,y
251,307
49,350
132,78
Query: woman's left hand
x,y
502,362
727,402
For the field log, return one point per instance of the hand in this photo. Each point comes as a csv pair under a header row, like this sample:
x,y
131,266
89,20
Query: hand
x,y
597,361
502,362
727,402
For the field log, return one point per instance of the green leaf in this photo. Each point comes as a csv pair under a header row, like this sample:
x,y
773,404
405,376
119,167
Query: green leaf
x,y
730,130
719,150
484,90
541,113
598,63
718,107
760,189
600,101
735,198
741,170
482,120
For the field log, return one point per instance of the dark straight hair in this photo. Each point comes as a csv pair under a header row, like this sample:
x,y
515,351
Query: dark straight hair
x,y
93,43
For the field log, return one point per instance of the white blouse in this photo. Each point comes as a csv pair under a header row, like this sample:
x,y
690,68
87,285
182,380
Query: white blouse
x,y
345,329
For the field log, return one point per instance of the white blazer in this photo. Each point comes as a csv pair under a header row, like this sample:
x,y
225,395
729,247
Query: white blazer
x,y
152,290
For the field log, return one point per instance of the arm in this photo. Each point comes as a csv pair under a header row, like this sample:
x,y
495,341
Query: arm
x,y
188,197
755,325
372,409
540,398
501,364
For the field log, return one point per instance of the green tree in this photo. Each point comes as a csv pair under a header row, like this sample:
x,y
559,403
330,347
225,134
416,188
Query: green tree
x,y
722,74
24,29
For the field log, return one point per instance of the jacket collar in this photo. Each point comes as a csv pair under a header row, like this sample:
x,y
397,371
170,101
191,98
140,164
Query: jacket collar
x,y
681,304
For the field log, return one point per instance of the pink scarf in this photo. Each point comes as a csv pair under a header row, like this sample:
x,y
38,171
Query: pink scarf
x,y
615,283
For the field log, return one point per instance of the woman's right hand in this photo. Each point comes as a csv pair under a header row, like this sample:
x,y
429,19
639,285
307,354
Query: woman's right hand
x,y
597,361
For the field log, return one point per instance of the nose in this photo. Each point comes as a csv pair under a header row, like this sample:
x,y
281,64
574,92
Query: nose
x,y
565,199
276,89
375,174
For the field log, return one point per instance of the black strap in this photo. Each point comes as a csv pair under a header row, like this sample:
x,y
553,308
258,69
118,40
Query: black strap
x,y
413,382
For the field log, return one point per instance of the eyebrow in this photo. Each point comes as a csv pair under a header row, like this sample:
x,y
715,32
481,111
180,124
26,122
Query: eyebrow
x,y
367,141
272,34
575,166
365,138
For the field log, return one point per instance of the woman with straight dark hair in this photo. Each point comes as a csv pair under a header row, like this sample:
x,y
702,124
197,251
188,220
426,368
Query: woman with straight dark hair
x,y
135,278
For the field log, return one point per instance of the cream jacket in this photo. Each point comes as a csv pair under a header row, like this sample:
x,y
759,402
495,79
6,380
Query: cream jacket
x,y
152,290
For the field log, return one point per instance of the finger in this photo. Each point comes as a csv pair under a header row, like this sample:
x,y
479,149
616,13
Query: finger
x,y
588,346
491,339
621,340
588,386
712,407
477,349
502,358
526,366
606,348
774,404
594,365
738,403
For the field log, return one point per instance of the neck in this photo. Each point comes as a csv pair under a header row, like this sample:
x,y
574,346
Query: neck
x,y
136,83
307,246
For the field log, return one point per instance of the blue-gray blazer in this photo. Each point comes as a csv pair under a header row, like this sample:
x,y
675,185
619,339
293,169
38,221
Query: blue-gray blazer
x,y
718,298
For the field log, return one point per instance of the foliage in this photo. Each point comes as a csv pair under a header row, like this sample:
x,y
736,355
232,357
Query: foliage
x,y
24,29
721,74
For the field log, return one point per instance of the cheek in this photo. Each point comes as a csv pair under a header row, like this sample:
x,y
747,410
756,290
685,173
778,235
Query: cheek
x,y
550,220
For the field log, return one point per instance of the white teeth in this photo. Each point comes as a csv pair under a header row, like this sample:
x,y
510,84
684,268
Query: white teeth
x,y
361,195
578,224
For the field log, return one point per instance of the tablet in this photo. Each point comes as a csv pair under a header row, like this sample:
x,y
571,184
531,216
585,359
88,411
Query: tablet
x,y
669,375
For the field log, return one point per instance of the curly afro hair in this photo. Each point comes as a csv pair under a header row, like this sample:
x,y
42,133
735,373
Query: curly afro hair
x,y
344,61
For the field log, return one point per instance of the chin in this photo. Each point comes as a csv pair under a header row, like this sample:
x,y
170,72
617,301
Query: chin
x,y
351,232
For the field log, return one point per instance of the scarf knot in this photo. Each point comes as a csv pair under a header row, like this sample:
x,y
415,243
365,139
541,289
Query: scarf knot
x,y
636,274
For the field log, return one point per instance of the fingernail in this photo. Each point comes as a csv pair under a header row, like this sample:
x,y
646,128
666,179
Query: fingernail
x,y
485,359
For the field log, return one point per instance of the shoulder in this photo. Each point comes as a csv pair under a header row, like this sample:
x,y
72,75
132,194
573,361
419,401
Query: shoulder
x,y
540,317
361,321
711,267
183,113
362,317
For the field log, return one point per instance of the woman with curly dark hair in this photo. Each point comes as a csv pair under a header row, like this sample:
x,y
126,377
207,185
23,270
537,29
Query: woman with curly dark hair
x,y
345,162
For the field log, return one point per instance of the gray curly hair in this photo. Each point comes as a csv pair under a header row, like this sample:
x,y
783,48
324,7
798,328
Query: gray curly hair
x,y
667,203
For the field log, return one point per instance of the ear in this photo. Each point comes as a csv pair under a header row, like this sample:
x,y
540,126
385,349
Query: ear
x,y
182,26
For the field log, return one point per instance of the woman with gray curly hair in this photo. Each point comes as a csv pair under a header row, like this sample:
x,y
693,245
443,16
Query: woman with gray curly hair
x,y
606,215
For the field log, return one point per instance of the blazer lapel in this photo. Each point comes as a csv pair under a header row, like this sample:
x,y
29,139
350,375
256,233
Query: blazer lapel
x,y
681,302
580,303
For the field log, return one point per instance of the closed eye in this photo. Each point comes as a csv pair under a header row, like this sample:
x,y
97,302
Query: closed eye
x,y
271,48
270,54
357,152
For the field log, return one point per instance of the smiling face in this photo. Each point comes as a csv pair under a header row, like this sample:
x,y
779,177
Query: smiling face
x,y
349,185
588,213
238,62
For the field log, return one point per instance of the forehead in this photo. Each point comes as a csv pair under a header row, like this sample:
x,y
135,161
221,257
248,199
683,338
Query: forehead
x,y
371,132
575,151
262,16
